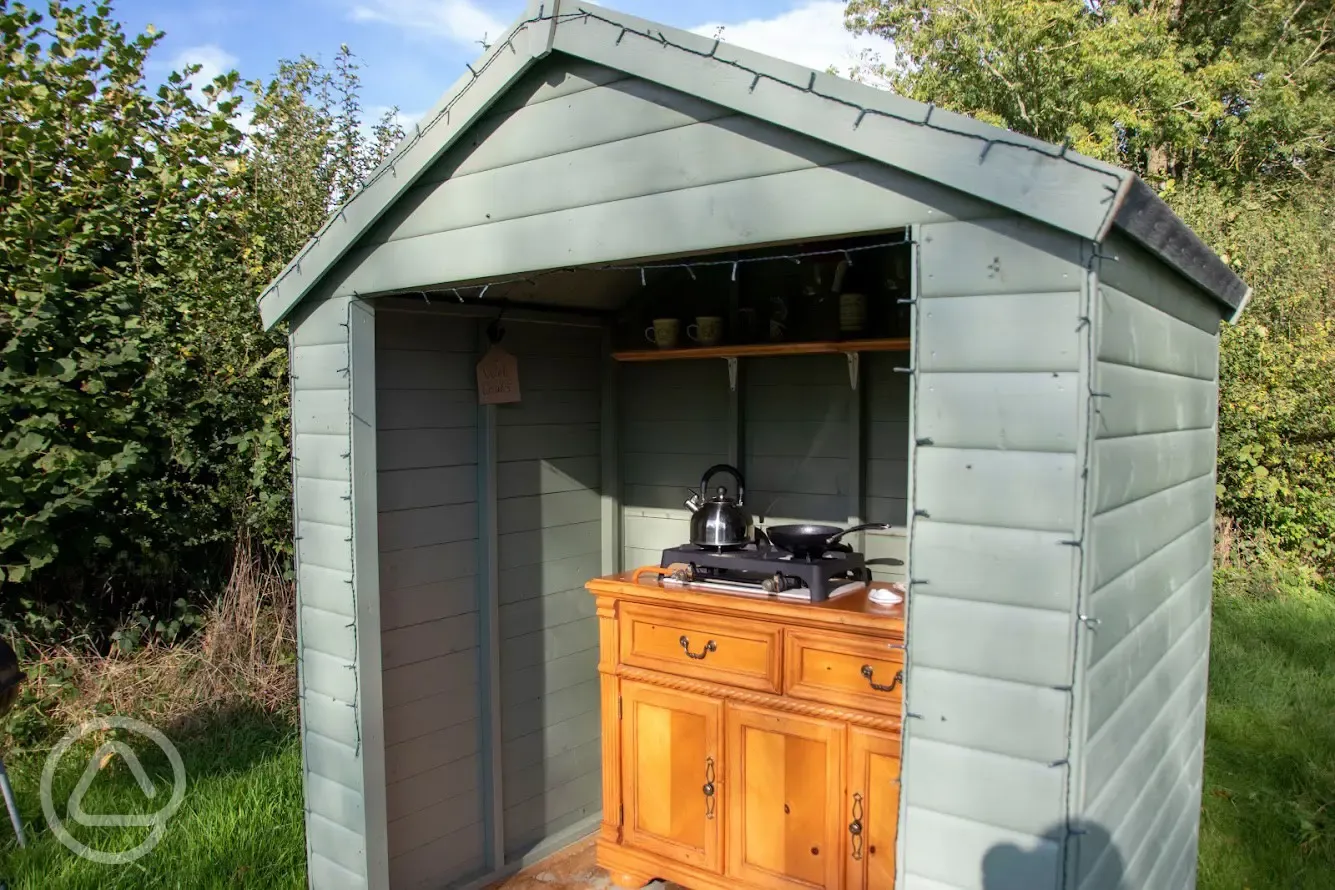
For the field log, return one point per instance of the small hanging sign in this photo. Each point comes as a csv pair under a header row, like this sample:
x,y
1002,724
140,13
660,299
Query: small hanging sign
x,y
497,378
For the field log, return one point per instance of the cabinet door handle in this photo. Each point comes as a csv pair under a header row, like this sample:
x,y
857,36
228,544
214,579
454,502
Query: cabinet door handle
x,y
711,646
855,827
868,672
709,788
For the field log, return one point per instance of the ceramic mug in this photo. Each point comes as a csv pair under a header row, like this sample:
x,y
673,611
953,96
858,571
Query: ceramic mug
x,y
775,329
663,332
707,330
852,312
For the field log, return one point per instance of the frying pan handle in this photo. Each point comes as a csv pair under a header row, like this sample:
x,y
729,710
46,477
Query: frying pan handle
x,y
866,526
723,468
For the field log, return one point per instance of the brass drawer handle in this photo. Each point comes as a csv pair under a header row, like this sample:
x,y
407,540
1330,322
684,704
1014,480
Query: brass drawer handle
x,y
709,788
711,646
867,672
855,828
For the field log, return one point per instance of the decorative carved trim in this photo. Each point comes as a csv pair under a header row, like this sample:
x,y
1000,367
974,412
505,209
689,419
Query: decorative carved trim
x,y
773,702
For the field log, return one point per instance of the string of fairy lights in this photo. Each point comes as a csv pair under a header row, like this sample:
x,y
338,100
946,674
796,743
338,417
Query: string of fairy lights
x,y
479,290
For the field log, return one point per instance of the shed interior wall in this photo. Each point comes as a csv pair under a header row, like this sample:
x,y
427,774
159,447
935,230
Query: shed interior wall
x,y
427,413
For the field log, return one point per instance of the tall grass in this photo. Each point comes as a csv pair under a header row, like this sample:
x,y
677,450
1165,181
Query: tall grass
x,y
226,697
242,655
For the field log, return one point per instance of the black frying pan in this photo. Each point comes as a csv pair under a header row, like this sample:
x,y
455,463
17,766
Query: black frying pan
x,y
810,541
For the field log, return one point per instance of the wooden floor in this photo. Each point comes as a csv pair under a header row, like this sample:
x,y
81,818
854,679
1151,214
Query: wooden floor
x,y
571,869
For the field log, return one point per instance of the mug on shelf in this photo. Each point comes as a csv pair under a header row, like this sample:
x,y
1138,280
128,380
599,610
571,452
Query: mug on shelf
x,y
707,330
852,313
663,332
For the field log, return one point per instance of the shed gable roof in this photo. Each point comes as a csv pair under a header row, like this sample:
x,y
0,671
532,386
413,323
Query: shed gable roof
x,y
1032,178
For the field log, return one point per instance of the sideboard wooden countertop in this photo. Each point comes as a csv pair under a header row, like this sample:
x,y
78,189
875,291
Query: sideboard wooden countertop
x,y
852,611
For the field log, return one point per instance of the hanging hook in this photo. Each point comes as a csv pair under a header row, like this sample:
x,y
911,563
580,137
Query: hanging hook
x,y
495,331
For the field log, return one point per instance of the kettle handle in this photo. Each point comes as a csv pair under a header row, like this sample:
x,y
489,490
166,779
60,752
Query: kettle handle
x,y
723,468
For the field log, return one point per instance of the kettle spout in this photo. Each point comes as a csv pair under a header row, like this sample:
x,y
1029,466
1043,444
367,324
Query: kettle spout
x,y
694,502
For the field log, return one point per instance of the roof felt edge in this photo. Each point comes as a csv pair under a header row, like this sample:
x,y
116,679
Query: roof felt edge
x,y
1148,220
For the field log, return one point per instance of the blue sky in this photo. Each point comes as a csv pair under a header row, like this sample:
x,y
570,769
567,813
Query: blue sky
x,y
412,50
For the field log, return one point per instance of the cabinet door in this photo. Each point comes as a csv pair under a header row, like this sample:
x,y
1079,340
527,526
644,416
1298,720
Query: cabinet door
x,y
672,789
785,789
872,810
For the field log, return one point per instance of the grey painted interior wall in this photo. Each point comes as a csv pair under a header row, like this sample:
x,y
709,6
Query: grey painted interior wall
x,y
675,423
550,543
426,408
1152,537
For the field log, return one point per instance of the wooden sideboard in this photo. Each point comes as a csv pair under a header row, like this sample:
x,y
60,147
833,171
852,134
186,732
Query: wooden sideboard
x,y
748,742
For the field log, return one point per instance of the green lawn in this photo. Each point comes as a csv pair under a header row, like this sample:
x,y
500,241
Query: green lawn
x,y
1269,820
239,826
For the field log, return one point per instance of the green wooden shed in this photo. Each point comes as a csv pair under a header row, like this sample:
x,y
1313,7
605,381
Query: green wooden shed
x,y
1032,407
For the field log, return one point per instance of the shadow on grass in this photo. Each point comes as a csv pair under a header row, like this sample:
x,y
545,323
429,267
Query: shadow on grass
x,y
240,824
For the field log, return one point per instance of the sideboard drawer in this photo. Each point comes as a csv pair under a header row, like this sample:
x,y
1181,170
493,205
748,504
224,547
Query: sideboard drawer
x,y
709,647
857,672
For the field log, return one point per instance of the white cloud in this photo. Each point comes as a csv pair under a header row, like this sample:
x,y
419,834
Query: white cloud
x,y
212,60
461,21
812,35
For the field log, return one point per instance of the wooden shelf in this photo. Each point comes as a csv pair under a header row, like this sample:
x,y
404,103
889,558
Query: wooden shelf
x,y
758,350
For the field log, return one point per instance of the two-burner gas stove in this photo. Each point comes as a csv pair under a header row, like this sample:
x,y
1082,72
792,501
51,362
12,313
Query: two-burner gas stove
x,y
763,568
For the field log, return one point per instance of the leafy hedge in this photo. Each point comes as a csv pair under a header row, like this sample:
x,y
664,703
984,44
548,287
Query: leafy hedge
x,y
148,410
1277,368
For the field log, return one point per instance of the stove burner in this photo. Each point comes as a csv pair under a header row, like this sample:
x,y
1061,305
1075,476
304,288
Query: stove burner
x,y
770,569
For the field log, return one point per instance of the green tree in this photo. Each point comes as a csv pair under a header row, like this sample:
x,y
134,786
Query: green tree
x,y
137,225
1227,90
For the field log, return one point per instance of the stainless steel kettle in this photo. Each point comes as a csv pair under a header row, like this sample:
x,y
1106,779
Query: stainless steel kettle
x,y
721,522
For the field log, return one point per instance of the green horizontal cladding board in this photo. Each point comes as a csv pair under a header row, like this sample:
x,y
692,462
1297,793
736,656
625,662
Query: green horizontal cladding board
x,y
1139,401
418,758
341,845
804,204
1133,467
997,257
450,675
1127,806
987,714
1127,600
1038,411
411,797
1129,268
429,602
1020,567
1174,688
961,635
1052,189
1004,332
533,512
440,819
1007,792
422,527
458,855
949,850
1126,535
428,640
1127,664
429,487
1131,332
1014,489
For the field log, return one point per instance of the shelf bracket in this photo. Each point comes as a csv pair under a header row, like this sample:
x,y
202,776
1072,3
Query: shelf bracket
x,y
852,369
732,373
